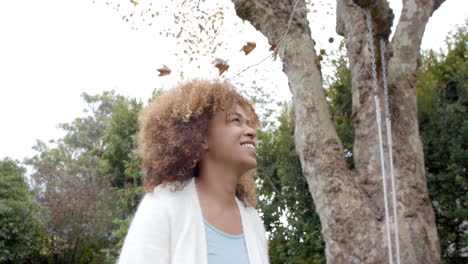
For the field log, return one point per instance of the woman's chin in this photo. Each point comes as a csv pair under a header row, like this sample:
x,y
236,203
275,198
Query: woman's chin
x,y
251,165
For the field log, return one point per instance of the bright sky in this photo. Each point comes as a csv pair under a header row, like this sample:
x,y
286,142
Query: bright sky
x,y
53,50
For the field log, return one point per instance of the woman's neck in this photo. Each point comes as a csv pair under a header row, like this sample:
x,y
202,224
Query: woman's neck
x,y
217,186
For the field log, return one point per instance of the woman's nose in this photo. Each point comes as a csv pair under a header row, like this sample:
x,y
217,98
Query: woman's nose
x,y
251,132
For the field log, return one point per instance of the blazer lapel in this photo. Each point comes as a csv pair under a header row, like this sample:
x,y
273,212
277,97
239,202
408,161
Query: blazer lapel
x,y
249,235
198,225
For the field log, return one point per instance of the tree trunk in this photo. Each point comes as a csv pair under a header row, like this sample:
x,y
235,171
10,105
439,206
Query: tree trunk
x,y
350,202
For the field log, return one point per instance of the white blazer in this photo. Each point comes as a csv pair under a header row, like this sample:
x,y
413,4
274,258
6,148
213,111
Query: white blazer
x,y
168,228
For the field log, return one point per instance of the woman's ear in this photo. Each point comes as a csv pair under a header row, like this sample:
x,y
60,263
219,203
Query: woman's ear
x,y
204,144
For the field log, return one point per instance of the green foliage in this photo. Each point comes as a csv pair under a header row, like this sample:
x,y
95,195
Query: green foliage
x,y
113,146
264,103
288,210
442,102
86,133
20,217
339,94
119,142
73,179
122,162
129,198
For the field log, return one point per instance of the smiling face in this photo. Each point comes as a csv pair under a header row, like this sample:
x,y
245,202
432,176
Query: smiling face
x,y
231,141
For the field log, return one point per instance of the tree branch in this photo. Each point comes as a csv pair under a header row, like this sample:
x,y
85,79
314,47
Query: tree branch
x,y
409,32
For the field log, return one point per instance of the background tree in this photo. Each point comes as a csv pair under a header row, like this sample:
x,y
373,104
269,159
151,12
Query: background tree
x,y
338,92
122,162
442,102
287,207
90,181
21,233
122,125
73,190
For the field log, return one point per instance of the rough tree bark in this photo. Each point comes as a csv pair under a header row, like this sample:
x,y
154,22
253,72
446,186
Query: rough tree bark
x,y
350,202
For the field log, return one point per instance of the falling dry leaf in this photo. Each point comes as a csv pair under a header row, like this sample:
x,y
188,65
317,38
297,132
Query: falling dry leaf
x,y
275,51
180,33
275,54
201,27
322,52
135,3
273,47
164,71
221,65
248,47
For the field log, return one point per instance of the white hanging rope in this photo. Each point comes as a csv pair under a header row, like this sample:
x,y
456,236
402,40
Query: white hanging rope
x,y
388,123
379,128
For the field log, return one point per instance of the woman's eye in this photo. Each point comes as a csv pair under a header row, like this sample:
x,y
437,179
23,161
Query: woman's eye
x,y
236,120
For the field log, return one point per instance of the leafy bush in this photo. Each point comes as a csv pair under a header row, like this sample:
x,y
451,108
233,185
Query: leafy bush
x,y
20,218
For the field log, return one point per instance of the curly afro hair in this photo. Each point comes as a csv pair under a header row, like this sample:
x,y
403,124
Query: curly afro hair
x,y
173,126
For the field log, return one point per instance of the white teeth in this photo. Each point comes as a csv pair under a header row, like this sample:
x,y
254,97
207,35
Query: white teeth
x,y
248,145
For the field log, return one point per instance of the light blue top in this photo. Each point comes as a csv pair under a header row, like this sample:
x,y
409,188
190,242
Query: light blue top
x,y
225,248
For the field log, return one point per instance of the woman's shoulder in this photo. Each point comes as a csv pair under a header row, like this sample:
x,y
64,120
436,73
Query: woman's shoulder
x,y
254,216
252,212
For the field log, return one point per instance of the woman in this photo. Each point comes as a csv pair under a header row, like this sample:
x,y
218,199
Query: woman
x,y
197,143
